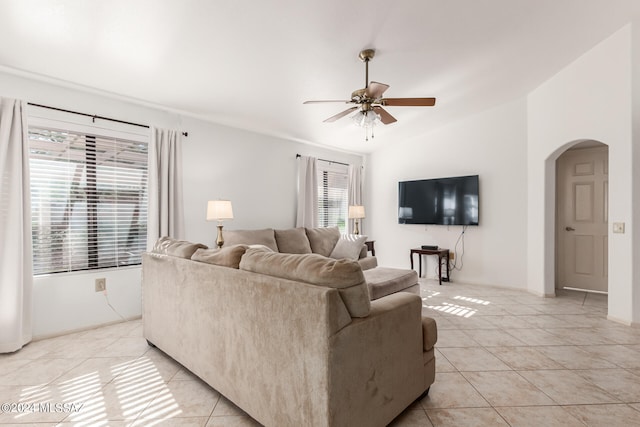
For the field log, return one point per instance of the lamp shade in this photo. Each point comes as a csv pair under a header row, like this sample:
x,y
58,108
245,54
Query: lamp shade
x,y
356,212
219,210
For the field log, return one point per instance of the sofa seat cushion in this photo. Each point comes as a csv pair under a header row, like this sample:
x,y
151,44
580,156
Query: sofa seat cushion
x,y
383,281
323,239
228,256
264,236
178,248
344,275
293,241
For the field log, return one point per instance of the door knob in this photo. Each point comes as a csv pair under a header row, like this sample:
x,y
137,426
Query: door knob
x,y
570,229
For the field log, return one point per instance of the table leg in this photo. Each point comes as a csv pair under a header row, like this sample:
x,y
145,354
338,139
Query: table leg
x,y
448,278
440,269
411,256
419,265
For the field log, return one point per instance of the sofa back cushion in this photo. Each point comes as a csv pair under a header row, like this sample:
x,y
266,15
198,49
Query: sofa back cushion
x,y
228,256
344,275
293,241
323,239
251,237
179,248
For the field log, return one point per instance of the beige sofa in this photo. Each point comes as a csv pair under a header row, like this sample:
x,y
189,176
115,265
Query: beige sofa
x,y
300,240
292,339
328,241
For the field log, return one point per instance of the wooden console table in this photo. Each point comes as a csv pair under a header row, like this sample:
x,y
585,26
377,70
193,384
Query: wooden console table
x,y
371,247
440,253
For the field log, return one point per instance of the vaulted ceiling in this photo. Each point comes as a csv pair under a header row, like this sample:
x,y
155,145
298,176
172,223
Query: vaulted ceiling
x,y
251,64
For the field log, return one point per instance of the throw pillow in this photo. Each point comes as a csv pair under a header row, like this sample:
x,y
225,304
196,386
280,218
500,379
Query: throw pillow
x,y
293,241
179,248
323,239
251,237
262,248
349,246
228,256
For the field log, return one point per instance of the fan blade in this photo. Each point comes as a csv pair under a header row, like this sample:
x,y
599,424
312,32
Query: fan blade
x,y
340,115
408,102
385,117
331,100
375,90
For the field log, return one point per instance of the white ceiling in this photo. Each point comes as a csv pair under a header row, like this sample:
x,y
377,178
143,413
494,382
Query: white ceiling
x,y
251,63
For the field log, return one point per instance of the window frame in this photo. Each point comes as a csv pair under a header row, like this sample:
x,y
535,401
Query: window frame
x,y
67,122
339,171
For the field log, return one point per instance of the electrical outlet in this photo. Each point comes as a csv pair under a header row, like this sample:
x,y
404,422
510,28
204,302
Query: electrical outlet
x,y
452,255
101,284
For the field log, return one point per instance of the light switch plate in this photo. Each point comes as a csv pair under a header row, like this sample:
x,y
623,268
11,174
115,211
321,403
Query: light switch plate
x,y
618,227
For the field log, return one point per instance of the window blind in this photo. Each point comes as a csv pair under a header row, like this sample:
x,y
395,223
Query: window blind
x,y
88,199
332,196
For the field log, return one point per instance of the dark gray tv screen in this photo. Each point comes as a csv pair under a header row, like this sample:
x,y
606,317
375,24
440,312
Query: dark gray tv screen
x,y
441,201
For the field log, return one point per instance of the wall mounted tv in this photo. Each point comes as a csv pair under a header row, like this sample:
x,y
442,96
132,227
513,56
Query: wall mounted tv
x,y
444,201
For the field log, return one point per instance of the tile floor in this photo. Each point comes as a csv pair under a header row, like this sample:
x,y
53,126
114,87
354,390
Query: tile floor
x,y
504,358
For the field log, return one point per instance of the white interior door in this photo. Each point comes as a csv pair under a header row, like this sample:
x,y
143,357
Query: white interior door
x,y
582,217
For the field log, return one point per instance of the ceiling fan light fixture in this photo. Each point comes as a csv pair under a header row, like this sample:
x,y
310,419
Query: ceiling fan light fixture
x,y
366,119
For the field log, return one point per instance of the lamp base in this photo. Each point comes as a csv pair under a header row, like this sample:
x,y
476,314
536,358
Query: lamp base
x,y
356,230
220,239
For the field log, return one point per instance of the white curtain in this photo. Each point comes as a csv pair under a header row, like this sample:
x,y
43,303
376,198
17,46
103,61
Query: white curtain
x,y
355,193
166,211
307,215
16,268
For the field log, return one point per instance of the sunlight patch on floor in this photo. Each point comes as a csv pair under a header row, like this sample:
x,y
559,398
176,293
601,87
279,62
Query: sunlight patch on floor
x,y
455,309
473,300
133,390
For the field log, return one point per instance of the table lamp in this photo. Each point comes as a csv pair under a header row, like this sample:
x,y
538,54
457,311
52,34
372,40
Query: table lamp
x,y
219,210
356,212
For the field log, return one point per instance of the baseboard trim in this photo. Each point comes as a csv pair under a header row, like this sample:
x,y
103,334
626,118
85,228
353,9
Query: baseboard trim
x,y
623,322
86,328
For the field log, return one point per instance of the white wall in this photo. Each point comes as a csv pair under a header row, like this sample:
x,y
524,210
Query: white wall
x,y
635,233
491,144
258,173
589,99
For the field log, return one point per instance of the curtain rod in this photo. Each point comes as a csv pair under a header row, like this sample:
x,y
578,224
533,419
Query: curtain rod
x,y
94,117
328,161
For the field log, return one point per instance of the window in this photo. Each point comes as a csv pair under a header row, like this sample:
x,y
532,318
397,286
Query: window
x,y
88,200
333,182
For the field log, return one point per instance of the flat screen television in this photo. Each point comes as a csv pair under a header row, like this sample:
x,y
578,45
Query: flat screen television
x,y
443,201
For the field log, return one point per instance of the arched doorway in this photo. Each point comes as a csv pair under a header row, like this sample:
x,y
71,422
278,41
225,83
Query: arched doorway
x,y
581,231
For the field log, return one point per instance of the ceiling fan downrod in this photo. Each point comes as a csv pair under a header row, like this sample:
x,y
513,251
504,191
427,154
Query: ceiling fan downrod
x,y
365,56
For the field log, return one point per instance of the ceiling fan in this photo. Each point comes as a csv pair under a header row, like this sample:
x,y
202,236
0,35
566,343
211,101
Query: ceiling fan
x,y
369,101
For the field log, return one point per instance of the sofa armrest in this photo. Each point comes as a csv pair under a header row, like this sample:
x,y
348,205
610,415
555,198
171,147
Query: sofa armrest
x,y
367,263
429,333
377,363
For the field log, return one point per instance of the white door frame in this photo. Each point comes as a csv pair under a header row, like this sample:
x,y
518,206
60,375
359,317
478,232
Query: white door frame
x,y
598,282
